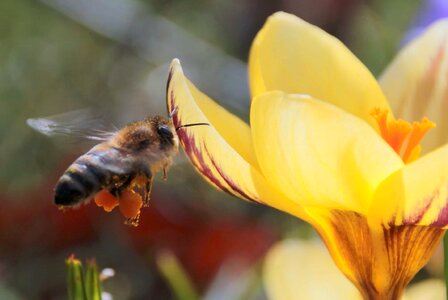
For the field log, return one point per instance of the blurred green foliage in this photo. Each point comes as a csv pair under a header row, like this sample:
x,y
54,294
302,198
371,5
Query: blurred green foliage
x,y
377,30
176,276
48,65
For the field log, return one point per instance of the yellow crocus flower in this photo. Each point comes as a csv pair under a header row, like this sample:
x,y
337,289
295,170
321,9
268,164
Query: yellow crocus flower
x,y
303,269
324,146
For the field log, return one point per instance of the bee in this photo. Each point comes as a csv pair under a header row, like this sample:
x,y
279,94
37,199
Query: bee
x,y
125,161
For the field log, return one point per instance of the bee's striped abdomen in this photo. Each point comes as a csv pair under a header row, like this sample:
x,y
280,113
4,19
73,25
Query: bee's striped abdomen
x,y
84,178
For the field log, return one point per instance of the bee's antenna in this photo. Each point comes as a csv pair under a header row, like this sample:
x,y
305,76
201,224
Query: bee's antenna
x,y
191,124
186,125
172,113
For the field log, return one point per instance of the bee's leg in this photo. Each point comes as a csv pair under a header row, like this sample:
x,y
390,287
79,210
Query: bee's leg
x,y
165,173
148,188
146,172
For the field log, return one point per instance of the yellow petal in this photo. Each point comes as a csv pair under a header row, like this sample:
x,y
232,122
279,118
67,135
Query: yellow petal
x,y
416,82
232,129
294,56
433,289
221,152
295,269
317,154
415,195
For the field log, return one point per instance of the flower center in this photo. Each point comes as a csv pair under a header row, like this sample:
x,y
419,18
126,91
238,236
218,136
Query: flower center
x,y
401,135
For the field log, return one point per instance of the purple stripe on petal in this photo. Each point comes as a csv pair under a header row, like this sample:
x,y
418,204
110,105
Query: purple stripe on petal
x,y
442,219
197,159
196,155
189,144
418,215
392,221
232,184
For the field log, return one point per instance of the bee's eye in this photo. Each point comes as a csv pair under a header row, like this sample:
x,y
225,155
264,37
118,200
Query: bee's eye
x,y
164,132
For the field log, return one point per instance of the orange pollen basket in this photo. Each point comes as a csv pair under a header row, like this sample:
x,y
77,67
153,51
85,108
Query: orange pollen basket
x,y
129,203
402,136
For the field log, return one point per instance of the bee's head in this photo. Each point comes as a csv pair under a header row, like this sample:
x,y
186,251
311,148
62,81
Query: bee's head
x,y
165,131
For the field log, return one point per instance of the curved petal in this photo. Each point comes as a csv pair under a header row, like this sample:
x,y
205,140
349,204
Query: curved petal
x,y
221,152
415,195
294,56
295,267
317,154
416,82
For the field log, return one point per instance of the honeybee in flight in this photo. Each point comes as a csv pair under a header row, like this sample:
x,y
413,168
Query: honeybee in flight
x,y
120,169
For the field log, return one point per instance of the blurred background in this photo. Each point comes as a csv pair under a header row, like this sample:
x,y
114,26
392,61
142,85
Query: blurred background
x,y
113,56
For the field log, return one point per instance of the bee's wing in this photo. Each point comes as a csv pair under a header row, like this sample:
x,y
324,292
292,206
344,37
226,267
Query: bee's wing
x,y
78,124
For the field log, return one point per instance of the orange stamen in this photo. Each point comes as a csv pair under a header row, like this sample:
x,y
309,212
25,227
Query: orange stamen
x,y
403,137
419,129
415,153
381,119
398,131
